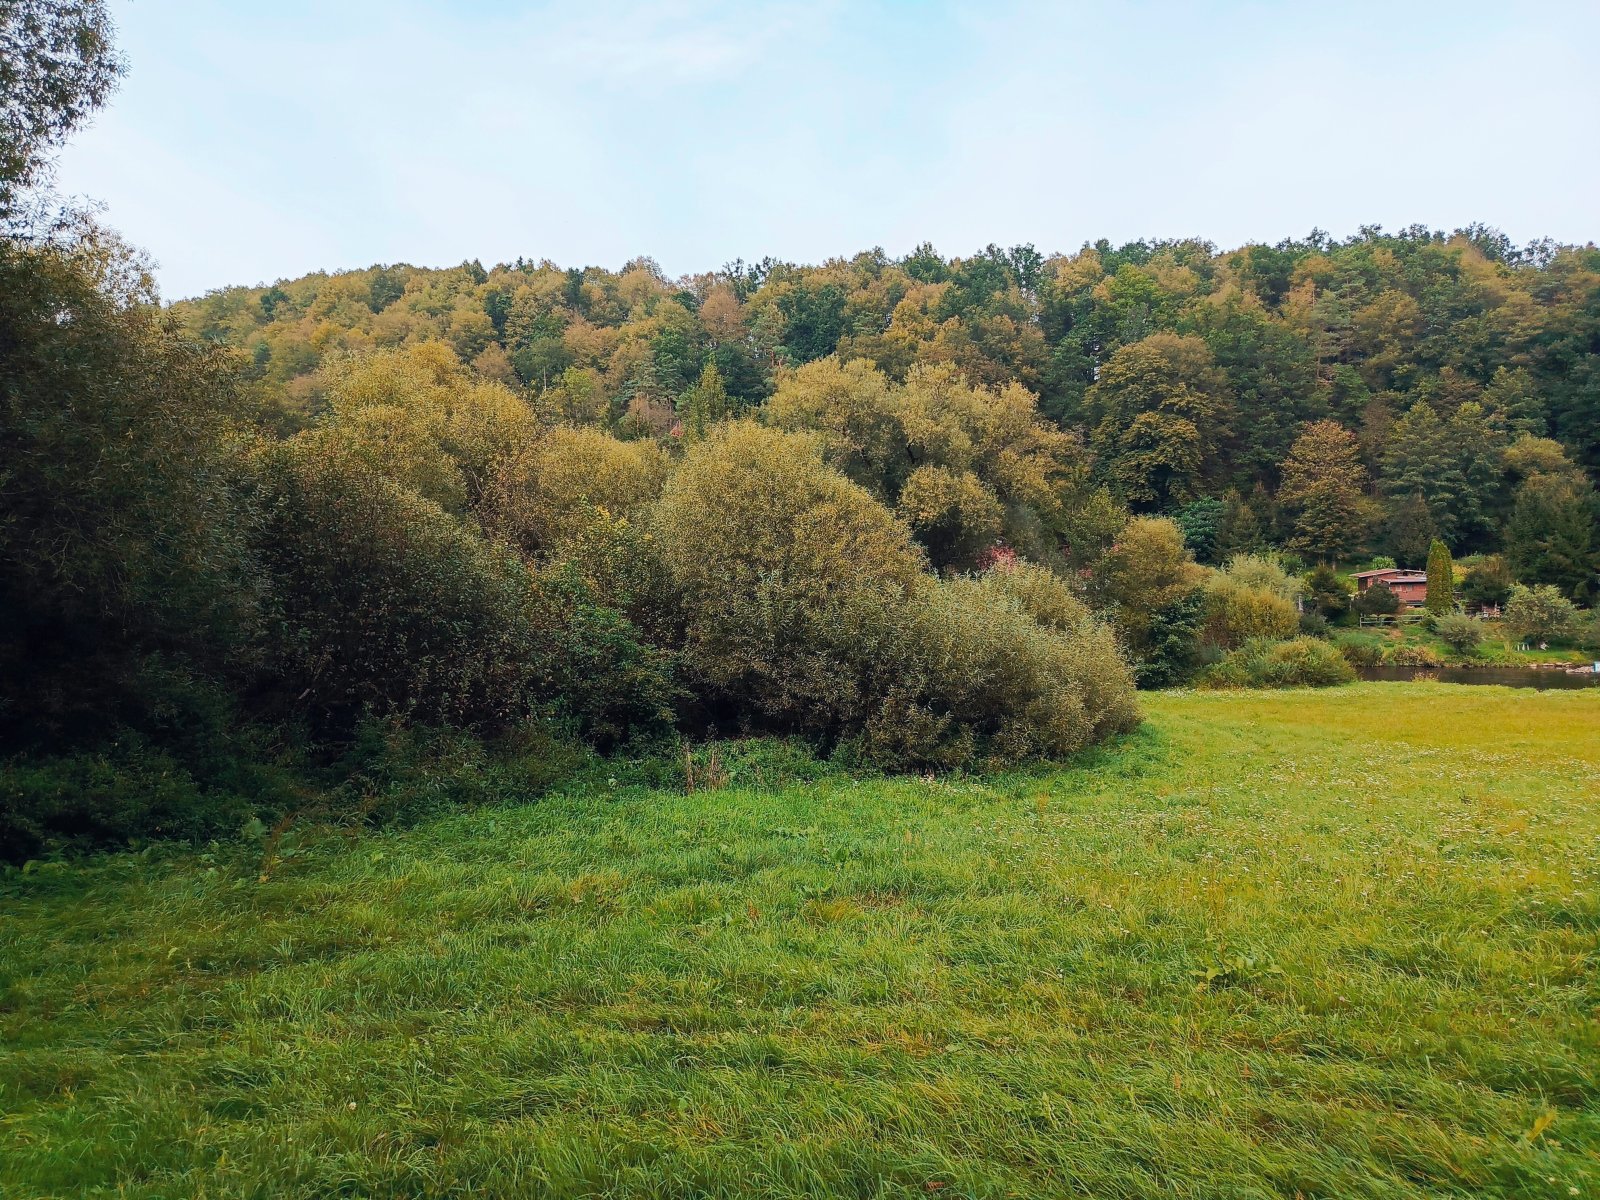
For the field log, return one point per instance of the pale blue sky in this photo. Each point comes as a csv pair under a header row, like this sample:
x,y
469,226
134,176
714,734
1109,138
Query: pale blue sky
x,y
256,141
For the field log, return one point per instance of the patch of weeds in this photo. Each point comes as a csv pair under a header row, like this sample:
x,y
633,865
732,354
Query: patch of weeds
x,y
1229,967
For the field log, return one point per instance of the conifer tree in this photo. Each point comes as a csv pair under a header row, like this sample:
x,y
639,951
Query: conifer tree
x,y
1420,459
1441,580
1409,529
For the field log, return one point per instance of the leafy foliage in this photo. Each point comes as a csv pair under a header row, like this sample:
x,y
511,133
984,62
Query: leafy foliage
x,y
122,531
1487,582
1204,525
57,65
1328,592
383,604
1146,569
791,576
1322,482
1249,600
807,608
1377,600
1459,631
967,466
1540,612
1302,662
543,496
1407,364
1172,642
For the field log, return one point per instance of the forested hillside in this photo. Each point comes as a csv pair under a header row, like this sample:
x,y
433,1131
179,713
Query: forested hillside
x,y
323,546
1189,373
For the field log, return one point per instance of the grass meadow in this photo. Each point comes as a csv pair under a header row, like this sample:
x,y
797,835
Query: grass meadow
x,y
1299,944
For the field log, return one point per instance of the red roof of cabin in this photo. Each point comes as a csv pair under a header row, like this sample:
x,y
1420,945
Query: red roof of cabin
x,y
1400,574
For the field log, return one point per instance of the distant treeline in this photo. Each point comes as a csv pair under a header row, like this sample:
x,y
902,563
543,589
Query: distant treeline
x,y
1189,373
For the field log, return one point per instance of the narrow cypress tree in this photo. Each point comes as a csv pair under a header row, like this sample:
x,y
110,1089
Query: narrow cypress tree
x,y
1441,580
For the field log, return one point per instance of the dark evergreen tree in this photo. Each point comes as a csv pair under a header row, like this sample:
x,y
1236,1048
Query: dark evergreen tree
x,y
1202,524
1441,580
1171,650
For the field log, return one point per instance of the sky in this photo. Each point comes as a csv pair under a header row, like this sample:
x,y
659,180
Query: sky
x,y
252,142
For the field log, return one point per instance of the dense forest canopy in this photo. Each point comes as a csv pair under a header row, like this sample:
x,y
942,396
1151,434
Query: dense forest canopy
x,y
1189,372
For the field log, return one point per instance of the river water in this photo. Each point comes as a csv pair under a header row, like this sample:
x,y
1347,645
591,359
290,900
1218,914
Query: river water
x,y
1544,680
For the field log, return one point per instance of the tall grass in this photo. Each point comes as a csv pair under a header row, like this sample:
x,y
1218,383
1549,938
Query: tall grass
x,y
1333,944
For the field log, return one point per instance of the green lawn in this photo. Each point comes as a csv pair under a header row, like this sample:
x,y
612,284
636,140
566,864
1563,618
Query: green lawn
x,y
1334,944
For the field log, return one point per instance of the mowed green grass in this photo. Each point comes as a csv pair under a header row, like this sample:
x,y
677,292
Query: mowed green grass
x,y
1326,944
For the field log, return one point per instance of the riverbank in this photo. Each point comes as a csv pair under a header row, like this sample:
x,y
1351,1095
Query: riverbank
x,y
1408,643
1333,943
1546,677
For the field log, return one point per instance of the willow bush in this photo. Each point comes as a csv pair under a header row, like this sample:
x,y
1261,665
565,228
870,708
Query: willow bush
x,y
808,608
1299,662
1251,598
550,490
381,603
791,577
980,680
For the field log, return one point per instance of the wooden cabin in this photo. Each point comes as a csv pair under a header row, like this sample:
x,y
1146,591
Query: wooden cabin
x,y
1410,586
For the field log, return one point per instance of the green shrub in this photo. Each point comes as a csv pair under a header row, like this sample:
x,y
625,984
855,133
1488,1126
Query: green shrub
x,y
619,561
122,525
124,792
1143,571
549,492
954,514
1588,635
1488,583
1173,648
1237,612
1040,592
1327,592
1402,654
382,604
1264,573
1203,524
807,610
1460,632
1377,600
981,679
602,678
391,771
1302,662
417,416
793,582
1360,649
1540,613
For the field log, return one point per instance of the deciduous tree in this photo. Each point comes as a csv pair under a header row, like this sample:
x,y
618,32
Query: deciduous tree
x,y
1323,486
57,66
1161,412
